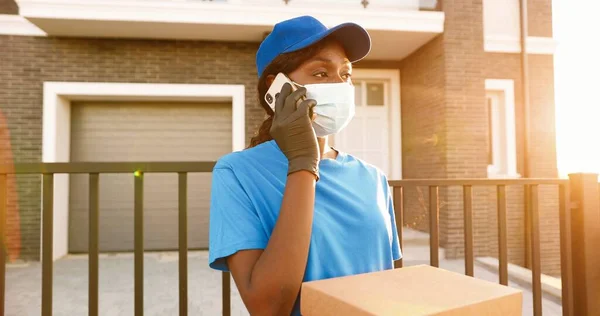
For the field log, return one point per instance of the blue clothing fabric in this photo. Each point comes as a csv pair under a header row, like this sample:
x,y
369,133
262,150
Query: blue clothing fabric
x,y
354,228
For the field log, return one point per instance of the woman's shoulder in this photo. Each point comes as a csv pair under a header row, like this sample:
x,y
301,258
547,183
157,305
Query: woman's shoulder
x,y
353,161
250,156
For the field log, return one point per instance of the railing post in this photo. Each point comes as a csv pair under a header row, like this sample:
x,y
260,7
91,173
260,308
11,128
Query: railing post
x,y
527,226
399,210
468,218
138,241
536,265
585,230
183,263
434,226
94,224
226,291
3,243
47,241
502,235
566,260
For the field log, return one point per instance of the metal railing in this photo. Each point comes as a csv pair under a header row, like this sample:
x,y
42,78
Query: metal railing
x,y
579,224
137,170
530,185
574,289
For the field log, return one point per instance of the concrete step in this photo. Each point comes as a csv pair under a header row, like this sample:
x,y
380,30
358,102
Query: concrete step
x,y
420,253
550,285
413,237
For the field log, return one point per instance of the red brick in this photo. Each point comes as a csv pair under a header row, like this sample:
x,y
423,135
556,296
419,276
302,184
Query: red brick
x,y
33,60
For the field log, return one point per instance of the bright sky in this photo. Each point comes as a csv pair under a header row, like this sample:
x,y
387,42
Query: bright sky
x,y
577,85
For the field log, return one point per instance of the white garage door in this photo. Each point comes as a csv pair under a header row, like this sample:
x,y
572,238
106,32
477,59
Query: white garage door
x,y
124,132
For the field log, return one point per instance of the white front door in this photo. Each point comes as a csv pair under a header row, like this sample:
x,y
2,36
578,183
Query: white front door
x,y
370,135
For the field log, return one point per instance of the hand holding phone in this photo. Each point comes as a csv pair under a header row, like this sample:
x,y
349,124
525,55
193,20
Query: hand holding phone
x,y
275,89
292,128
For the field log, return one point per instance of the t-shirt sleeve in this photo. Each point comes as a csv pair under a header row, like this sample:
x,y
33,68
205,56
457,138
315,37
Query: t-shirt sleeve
x,y
234,222
396,251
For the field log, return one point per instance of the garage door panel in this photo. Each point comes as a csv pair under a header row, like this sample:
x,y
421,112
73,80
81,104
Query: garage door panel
x,y
145,132
198,198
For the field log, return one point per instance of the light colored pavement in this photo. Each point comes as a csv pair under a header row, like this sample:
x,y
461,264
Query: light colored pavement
x,y
416,251
23,284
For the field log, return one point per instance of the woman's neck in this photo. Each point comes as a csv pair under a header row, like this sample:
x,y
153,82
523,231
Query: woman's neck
x,y
326,151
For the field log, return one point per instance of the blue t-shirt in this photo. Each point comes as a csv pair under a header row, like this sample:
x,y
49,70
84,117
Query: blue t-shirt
x,y
354,228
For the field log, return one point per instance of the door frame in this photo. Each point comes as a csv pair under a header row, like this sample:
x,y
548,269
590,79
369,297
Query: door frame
x,y
394,112
56,128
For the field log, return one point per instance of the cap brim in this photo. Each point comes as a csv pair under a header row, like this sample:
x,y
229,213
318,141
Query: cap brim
x,y
353,37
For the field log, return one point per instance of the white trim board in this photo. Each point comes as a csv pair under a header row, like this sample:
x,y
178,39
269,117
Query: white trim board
x,y
238,12
507,88
17,25
57,126
395,145
508,44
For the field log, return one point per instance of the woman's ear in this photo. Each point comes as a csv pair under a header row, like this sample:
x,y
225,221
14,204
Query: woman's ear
x,y
270,79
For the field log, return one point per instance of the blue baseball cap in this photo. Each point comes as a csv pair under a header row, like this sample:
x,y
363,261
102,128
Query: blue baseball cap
x,y
300,32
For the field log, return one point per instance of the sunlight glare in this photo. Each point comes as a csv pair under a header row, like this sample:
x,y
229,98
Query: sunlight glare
x,y
577,85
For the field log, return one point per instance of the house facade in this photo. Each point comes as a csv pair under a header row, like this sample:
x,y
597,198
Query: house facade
x,y
440,96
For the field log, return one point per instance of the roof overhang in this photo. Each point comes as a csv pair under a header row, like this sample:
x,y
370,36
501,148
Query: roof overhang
x,y
395,33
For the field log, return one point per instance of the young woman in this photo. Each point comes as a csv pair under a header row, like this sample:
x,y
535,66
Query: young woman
x,y
290,208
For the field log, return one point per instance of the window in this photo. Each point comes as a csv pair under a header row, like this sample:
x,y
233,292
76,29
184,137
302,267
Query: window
x,y
374,92
490,138
501,149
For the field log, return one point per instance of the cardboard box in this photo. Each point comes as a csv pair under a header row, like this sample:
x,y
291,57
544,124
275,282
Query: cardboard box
x,y
417,290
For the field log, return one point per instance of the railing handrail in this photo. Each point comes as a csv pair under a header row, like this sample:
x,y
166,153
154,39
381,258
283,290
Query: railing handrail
x,y
531,187
477,182
137,169
107,167
207,166
94,169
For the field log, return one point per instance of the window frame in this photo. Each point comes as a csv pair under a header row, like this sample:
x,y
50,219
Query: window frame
x,y
503,129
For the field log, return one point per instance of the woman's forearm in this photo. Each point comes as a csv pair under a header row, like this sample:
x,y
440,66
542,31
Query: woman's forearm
x,y
277,275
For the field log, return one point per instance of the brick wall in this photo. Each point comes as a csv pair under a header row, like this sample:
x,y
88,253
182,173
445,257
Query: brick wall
x,y
466,122
542,161
8,7
543,135
539,14
542,143
29,61
444,120
508,66
423,127
543,156
444,125
543,139
443,113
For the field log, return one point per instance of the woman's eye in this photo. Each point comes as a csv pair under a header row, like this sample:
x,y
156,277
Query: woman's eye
x,y
321,74
347,76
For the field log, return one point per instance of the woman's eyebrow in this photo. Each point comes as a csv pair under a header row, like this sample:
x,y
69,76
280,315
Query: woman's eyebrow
x,y
329,61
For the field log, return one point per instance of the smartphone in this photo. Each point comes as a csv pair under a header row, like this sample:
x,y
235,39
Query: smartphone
x,y
275,88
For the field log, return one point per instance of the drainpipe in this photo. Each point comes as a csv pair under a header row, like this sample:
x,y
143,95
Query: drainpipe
x,y
525,86
526,126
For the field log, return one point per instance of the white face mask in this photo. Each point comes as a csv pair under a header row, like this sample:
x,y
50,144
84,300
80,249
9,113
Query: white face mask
x,y
335,106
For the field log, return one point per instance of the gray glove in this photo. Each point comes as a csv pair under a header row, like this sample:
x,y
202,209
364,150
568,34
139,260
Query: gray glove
x,y
293,132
